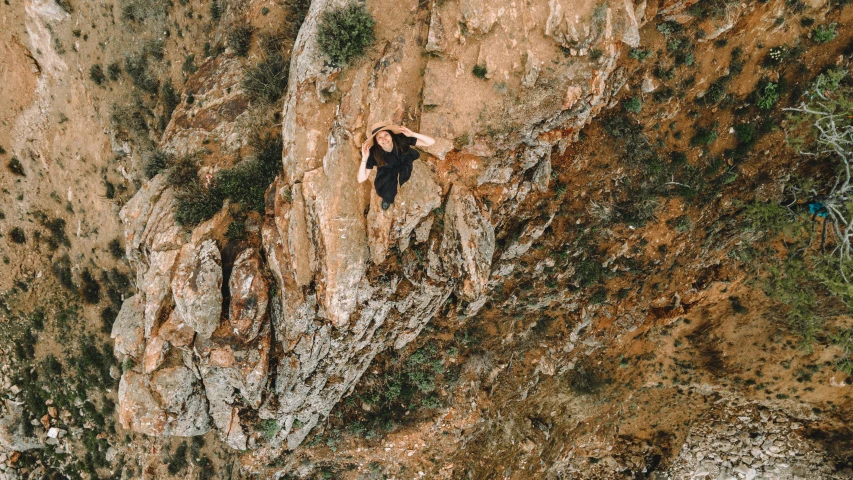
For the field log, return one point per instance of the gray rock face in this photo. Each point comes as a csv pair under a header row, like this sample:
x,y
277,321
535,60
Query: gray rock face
x,y
197,287
326,244
181,394
12,437
468,241
129,328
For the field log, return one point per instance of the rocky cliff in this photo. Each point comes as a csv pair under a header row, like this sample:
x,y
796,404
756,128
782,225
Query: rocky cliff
x,y
219,338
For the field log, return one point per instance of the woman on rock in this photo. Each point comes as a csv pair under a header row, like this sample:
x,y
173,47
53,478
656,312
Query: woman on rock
x,y
389,147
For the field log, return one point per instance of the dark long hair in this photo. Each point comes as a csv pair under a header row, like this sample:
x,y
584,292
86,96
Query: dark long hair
x,y
379,154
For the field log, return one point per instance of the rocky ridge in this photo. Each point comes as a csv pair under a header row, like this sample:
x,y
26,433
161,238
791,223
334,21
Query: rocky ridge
x,y
291,352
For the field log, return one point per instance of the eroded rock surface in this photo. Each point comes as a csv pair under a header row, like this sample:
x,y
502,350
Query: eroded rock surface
x,y
322,290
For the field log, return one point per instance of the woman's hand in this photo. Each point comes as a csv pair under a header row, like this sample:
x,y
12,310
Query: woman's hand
x,y
405,131
365,150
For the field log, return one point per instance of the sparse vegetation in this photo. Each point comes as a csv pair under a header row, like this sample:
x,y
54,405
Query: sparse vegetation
x,y
267,80
703,137
114,71
824,33
766,95
240,39
639,54
17,235
344,33
480,71
96,74
90,289
136,66
587,380
633,105
15,167
245,183
155,162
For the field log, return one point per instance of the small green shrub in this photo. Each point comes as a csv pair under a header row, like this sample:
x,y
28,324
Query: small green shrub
x,y
267,81
639,54
108,317
633,105
245,183
15,167
681,224
269,428
90,289
480,71
824,33
596,53
767,95
141,10
177,462
155,162
236,230
745,133
703,137
56,227
136,66
189,67
670,28
240,39
344,33
599,296
114,71
792,285
171,99
109,192
17,235
587,380
196,204
589,272
216,9
716,91
155,48
96,74
62,270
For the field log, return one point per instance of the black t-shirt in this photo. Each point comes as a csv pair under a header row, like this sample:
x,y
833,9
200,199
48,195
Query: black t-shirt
x,y
397,159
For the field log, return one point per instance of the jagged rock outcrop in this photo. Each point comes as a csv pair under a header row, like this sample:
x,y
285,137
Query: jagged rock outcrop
x,y
333,282
13,436
197,287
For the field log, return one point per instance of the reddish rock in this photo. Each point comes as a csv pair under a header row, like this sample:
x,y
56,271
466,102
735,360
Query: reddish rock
x,y
155,352
176,332
249,295
138,410
197,287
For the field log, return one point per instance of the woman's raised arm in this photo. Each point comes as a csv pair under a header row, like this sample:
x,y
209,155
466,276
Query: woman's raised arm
x,y
362,170
423,140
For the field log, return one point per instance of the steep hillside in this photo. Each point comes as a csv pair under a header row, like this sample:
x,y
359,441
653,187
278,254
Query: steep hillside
x,y
624,256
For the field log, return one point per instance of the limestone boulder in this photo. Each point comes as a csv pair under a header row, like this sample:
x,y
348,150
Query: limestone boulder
x,y
342,240
128,330
249,295
138,408
175,331
155,352
182,396
12,435
197,287
217,112
469,240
